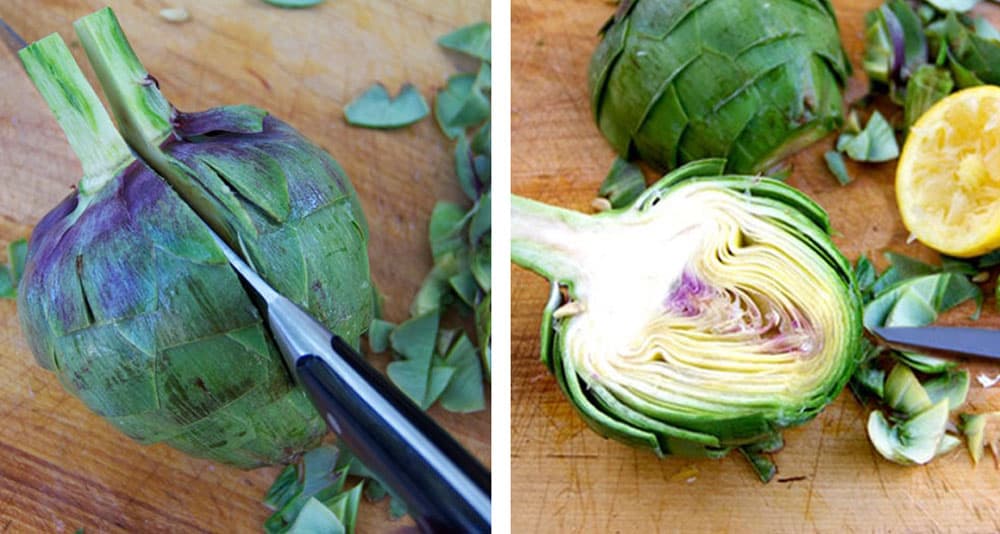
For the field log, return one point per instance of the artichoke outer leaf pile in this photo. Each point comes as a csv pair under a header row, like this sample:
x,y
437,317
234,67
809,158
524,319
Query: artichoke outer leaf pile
x,y
710,314
673,82
127,299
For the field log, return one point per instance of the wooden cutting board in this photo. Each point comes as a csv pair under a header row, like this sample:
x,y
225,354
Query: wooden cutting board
x,y
62,468
566,478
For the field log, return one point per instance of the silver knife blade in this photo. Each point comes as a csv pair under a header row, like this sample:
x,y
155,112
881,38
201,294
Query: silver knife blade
x,y
266,292
961,340
11,38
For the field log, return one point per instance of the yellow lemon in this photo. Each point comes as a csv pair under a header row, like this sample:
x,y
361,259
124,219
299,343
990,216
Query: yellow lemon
x,y
948,178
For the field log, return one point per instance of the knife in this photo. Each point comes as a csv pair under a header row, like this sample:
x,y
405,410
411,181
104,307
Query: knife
x,y
981,342
445,488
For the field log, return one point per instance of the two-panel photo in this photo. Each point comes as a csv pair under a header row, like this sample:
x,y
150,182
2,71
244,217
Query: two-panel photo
x,y
247,248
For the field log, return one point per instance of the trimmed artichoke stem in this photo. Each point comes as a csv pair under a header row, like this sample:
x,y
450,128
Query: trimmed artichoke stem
x,y
126,82
546,238
79,113
143,113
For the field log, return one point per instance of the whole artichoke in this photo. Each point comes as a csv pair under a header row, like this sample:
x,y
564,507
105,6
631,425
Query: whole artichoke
x,y
673,82
710,314
127,299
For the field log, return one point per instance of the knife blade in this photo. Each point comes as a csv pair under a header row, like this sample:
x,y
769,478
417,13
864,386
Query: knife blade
x,y
445,488
980,342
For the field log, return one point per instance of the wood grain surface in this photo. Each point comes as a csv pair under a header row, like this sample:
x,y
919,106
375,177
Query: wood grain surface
x,y
63,468
566,478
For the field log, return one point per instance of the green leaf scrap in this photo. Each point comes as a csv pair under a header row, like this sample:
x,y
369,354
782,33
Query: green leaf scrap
x,y
928,85
835,162
10,274
375,108
294,4
473,40
623,184
875,143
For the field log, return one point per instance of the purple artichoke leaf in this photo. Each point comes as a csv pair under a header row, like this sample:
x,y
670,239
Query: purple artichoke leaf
x,y
241,119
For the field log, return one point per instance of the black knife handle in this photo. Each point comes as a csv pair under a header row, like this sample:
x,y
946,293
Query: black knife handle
x,y
445,488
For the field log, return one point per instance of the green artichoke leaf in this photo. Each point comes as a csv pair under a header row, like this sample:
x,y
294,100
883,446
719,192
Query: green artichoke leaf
x,y
8,289
415,339
977,57
464,393
376,108
879,53
762,464
913,441
984,29
294,4
316,517
927,85
835,162
973,427
10,274
472,40
868,380
925,364
953,5
378,335
623,184
904,393
652,341
865,274
242,170
953,385
481,266
918,301
484,332
481,220
875,143
462,103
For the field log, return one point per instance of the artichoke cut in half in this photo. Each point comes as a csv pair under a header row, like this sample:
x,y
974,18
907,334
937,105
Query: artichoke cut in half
x,y
673,82
268,191
128,300
711,313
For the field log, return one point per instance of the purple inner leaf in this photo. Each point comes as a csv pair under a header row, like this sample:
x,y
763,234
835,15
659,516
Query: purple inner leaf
x,y
737,314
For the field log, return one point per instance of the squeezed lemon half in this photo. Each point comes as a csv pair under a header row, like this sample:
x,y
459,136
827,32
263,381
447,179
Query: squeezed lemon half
x,y
948,178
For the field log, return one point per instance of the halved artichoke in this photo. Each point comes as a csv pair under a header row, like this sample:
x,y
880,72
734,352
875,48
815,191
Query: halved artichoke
x,y
710,314
673,82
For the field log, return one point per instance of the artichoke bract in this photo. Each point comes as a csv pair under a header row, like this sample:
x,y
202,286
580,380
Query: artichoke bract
x,y
752,82
267,190
710,314
128,300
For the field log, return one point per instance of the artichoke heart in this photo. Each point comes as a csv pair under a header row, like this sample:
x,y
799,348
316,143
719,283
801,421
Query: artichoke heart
x,y
673,82
713,312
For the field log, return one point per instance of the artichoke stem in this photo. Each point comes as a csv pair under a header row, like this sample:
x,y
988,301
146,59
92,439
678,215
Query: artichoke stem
x,y
91,134
550,240
143,114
